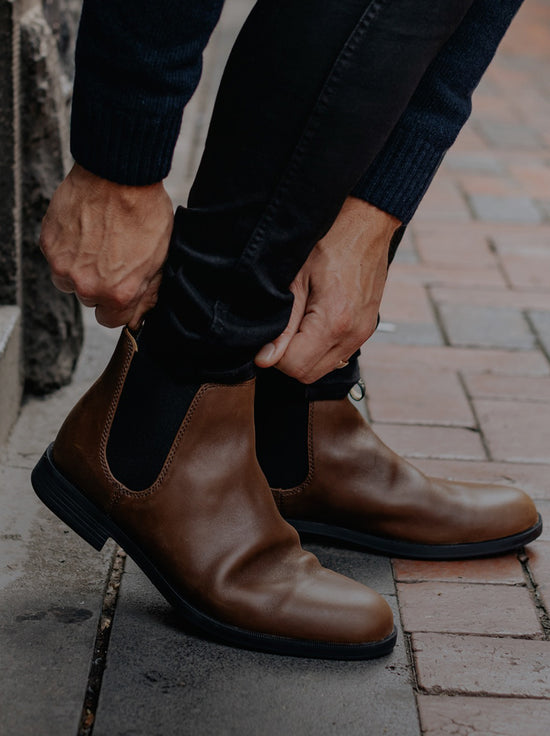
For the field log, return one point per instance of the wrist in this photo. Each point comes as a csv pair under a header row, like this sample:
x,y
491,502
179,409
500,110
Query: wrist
x,y
372,216
97,187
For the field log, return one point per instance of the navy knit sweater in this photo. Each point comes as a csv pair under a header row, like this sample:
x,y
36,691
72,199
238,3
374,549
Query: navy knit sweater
x,y
138,63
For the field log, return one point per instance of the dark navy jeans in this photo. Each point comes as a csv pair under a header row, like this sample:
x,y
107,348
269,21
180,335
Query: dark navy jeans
x,y
309,96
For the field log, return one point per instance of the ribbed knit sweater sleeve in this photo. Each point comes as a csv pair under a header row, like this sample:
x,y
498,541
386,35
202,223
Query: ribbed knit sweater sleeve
x,y
400,175
137,64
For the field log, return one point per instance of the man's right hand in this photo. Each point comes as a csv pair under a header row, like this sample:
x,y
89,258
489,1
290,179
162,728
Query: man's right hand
x,y
107,243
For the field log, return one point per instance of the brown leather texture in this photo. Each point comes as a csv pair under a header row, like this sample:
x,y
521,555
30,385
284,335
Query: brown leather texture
x,y
209,521
356,481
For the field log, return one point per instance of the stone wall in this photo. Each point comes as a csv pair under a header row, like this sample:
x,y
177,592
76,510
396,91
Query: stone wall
x,y
32,163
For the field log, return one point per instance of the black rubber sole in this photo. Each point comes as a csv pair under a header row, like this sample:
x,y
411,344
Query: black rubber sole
x,y
78,512
414,551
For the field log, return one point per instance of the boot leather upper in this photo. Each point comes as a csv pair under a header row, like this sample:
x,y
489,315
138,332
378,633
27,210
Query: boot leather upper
x,y
209,521
357,482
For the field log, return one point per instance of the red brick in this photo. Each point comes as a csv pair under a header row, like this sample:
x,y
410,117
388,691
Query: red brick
x,y
442,442
472,665
471,716
416,395
509,362
529,269
544,511
405,303
480,162
507,135
494,107
443,203
515,430
507,77
469,140
534,178
470,325
497,186
522,388
538,554
506,570
437,247
531,477
522,240
492,297
505,209
455,608
468,275
407,333
531,36
494,232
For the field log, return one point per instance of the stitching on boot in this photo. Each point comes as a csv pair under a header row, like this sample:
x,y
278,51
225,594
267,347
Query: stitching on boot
x,y
109,421
122,490
285,493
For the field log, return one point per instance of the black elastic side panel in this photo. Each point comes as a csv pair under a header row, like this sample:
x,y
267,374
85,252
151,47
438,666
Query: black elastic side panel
x,y
281,412
150,411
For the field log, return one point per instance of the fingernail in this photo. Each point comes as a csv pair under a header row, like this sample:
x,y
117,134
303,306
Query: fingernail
x,y
266,353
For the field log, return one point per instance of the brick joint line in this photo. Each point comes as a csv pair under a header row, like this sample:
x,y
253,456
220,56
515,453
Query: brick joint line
x,y
473,409
532,586
438,319
539,341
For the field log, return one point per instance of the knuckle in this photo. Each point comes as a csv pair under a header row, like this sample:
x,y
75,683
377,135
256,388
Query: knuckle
x,y
343,322
58,267
83,287
122,296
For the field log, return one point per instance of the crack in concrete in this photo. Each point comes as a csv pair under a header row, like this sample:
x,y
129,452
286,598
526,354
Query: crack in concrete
x,y
101,644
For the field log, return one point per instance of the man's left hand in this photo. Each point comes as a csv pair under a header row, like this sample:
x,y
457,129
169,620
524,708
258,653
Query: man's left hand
x,y
337,295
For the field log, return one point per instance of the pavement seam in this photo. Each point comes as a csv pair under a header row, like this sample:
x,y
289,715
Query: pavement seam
x,y
532,586
539,343
500,266
409,653
438,319
101,643
477,423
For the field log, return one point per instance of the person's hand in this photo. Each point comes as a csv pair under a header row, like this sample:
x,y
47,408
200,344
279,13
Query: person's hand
x,y
107,243
337,295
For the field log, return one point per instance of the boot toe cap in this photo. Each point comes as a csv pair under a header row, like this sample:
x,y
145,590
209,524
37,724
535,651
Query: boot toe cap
x,y
503,511
344,611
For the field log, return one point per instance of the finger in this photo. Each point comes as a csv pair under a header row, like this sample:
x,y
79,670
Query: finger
x,y
306,349
63,284
145,304
87,302
335,359
331,360
315,350
112,318
272,353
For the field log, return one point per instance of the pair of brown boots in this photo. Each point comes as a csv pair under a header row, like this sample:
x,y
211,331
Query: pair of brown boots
x,y
210,533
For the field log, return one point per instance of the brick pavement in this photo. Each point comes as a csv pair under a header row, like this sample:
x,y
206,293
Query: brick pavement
x,y
459,378
473,401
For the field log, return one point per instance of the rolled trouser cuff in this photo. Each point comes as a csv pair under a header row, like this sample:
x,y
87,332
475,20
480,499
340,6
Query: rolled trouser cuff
x,y
335,385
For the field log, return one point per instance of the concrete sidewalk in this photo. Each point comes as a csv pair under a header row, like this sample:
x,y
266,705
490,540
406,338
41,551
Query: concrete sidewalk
x,y
458,378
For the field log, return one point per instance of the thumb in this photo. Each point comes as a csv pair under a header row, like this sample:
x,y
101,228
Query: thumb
x,y
272,353
146,303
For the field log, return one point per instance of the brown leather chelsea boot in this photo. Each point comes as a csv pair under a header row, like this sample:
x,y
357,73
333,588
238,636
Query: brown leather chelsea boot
x,y
357,490
206,531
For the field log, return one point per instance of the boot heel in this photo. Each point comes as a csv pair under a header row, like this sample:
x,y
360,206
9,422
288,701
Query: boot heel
x,y
68,503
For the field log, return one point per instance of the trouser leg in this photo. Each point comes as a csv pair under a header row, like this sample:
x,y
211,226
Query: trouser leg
x,y
310,94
